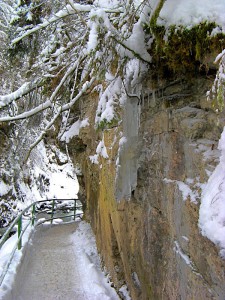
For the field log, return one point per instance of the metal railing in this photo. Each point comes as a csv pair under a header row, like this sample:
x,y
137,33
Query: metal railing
x,y
32,212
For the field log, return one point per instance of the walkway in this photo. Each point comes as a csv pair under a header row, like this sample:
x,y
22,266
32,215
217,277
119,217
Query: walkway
x,y
52,269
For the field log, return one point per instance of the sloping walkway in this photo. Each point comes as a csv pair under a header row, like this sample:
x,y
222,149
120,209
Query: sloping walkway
x,y
52,269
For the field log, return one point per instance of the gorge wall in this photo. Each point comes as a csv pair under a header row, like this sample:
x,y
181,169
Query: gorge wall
x,y
143,200
143,170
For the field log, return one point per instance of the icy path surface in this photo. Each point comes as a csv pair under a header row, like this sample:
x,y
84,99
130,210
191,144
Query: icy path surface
x,y
61,263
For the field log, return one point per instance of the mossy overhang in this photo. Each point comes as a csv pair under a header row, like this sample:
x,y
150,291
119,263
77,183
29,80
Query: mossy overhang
x,y
184,49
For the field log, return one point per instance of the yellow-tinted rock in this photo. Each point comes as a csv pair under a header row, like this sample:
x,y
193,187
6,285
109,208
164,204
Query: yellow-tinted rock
x,y
151,239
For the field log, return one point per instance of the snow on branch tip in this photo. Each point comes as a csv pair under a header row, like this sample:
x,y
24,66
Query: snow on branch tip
x,y
48,104
23,90
69,9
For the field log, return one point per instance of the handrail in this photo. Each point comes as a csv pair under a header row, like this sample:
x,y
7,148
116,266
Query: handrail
x,y
6,267
15,221
21,231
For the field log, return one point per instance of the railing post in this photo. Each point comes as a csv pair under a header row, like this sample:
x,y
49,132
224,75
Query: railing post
x,y
19,232
75,208
33,214
53,206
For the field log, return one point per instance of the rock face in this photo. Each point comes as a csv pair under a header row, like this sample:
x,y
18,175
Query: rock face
x,y
143,200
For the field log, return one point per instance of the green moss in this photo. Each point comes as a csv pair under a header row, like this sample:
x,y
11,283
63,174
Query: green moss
x,y
182,49
104,124
220,97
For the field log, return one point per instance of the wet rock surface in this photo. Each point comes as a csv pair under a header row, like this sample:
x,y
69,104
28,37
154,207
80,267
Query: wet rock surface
x,y
151,238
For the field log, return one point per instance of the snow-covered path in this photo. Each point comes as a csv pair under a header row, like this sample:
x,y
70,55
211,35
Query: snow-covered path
x,y
61,263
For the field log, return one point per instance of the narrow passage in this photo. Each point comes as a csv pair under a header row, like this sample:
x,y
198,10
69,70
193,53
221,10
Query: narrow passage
x,y
59,264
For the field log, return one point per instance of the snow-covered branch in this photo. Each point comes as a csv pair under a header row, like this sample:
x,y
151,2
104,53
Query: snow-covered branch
x,y
27,114
26,88
47,105
85,87
61,109
145,58
68,72
41,136
218,58
72,50
69,9
65,12
6,12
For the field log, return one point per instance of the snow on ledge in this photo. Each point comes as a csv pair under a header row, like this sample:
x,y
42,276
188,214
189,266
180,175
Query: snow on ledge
x,y
74,130
184,189
192,12
184,256
100,151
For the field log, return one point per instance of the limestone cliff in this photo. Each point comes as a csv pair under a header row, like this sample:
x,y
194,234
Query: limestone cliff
x,y
145,221
144,159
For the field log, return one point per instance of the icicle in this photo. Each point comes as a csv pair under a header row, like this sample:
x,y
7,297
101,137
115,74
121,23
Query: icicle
x,y
139,116
142,100
153,97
